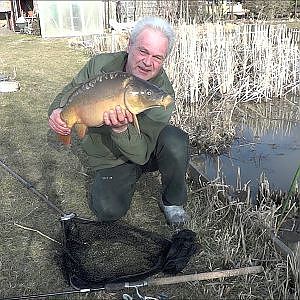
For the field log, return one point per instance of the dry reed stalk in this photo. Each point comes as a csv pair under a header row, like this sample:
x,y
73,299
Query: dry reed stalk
x,y
37,231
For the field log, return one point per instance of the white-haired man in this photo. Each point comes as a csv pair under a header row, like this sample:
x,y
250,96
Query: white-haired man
x,y
115,151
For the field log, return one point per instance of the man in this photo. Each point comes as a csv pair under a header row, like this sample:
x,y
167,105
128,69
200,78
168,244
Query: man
x,y
116,151
119,11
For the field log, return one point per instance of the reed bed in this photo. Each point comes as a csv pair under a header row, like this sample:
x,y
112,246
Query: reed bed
x,y
280,116
216,68
233,234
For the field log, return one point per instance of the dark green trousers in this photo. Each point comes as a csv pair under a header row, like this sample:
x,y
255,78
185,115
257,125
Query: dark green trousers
x,y
112,189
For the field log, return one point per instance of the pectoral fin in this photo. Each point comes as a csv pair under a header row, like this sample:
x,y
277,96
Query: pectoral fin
x,y
65,139
80,130
136,123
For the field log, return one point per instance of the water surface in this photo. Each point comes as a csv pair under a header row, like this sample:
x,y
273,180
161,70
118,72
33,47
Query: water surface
x,y
274,151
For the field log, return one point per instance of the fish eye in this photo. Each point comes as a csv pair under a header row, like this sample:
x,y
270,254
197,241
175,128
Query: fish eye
x,y
149,93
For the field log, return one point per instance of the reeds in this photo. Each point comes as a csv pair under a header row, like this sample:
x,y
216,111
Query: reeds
x,y
235,235
281,115
215,67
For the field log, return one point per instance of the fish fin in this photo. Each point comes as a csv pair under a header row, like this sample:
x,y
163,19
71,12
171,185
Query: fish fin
x,y
126,82
80,129
136,123
65,139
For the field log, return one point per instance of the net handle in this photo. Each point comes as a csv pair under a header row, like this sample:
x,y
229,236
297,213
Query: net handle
x,y
186,278
32,189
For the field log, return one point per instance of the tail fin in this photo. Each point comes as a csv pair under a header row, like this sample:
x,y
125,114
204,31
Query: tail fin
x,y
65,139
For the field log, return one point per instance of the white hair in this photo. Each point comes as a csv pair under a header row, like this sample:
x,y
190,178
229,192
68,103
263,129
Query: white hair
x,y
157,24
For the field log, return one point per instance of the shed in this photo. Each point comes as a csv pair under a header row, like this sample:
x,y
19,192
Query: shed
x,y
5,13
72,18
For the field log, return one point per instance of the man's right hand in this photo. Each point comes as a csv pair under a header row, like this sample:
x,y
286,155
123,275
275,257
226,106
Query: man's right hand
x,y
57,124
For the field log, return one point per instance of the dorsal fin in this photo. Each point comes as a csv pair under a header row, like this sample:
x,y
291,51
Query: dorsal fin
x,y
90,83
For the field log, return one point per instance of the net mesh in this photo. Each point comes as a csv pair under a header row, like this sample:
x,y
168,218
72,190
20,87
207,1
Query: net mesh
x,y
96,253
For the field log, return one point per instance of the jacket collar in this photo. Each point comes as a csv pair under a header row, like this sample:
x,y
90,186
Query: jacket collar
x,y
117,64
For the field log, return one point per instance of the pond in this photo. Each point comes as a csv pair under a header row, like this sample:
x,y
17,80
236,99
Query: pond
x,y
262,146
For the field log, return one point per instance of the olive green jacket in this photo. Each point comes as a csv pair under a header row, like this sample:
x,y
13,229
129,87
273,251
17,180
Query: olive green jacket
x,y
104,147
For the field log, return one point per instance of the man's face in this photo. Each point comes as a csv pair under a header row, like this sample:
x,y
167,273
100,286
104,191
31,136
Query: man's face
x,y
147,54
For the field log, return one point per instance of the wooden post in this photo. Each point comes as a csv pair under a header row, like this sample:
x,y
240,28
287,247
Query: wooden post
x,y
8,20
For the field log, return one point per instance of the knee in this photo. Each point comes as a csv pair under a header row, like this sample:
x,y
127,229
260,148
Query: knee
x,y
174,141
104,209
108,214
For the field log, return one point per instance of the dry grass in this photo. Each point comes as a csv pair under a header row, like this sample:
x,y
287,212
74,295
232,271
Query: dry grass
x,y
230,233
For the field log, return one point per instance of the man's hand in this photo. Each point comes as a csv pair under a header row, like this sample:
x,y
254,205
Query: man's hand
x,y
57,124
117,119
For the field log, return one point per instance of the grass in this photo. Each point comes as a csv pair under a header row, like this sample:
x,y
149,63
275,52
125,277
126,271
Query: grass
x,y
230,234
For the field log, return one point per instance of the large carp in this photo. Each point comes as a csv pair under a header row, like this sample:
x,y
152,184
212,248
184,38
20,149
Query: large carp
x,y
85,106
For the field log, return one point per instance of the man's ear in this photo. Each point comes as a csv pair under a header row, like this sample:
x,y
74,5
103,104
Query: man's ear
x,y
128,46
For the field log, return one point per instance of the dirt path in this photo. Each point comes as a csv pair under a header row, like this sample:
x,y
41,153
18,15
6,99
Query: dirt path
x,y
5,31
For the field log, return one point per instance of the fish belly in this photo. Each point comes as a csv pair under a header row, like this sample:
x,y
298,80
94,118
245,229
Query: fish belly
x,y
91,113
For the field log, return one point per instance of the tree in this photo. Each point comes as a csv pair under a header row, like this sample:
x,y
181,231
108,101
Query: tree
x,y
268,9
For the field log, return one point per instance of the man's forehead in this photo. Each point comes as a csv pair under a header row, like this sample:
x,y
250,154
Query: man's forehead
x,y
150,32
152,39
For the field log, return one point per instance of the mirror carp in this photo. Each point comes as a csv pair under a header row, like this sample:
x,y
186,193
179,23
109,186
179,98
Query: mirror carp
x,y
85,106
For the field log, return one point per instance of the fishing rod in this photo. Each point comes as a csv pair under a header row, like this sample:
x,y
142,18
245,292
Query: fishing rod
x,y
32,189
52,294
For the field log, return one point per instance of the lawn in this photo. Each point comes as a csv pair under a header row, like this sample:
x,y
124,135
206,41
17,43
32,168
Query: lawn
x,y
230,234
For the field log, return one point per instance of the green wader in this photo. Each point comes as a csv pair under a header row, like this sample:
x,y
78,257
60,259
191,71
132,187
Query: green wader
x,y
112,189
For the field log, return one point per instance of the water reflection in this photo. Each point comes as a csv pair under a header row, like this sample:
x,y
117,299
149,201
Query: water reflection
x,y
274,150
